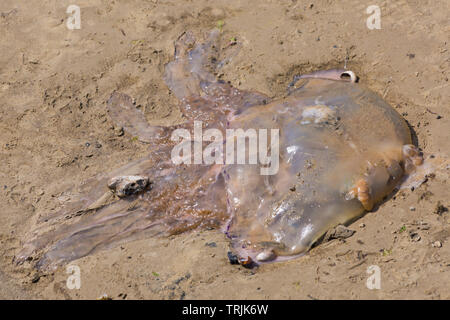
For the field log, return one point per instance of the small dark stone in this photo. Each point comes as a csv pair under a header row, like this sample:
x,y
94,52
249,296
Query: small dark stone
x,y
415,236
440,208
339,232
35,278
177,281
87,144
211,244
232,258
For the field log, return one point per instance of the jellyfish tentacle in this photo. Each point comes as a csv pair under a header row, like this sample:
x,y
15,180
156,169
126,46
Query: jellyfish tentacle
x,y
125,115
102,222
184,75
189,76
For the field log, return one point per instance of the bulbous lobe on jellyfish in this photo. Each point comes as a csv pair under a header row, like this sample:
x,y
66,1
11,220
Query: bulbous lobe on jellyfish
x,y
341,150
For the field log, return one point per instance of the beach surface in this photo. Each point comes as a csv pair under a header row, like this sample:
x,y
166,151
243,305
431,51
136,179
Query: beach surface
x,y
55,133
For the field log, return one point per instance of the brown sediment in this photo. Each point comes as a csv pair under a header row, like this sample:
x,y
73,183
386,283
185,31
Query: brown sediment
x,y
54,86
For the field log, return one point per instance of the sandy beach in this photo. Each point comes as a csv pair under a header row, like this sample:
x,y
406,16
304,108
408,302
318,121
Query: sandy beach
x,y
55,133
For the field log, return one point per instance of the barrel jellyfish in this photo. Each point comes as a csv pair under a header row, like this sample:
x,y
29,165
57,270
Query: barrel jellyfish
x,y
319,157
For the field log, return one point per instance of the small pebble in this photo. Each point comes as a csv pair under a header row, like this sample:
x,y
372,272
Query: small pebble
x,y
35,278
211,244
412,208
104,297
122,295
440,208
437,244
338,232
118,131
362,225
233,258
415,236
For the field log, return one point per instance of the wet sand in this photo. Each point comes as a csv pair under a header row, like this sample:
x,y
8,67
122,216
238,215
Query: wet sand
x,y
54,83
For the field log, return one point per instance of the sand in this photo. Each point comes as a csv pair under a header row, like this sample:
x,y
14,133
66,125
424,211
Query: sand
x,y
54,83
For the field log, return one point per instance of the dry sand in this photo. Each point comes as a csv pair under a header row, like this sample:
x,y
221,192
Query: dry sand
x,y
54,83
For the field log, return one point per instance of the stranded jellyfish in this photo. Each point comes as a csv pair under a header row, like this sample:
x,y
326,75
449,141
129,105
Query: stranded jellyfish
x,y
317,158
